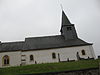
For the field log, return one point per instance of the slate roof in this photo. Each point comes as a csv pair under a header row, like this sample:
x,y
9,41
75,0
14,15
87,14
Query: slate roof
x,y
65,20
41,43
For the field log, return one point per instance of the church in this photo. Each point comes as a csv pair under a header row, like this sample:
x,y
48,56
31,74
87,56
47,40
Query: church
x,y
47,49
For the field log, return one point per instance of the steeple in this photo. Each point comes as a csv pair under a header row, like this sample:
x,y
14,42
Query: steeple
x,y
65,20
67,29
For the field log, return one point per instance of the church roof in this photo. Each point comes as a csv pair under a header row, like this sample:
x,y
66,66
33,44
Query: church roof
x,y
41,43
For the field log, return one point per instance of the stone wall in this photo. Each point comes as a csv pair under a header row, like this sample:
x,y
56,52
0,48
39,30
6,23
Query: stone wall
x,y
93,71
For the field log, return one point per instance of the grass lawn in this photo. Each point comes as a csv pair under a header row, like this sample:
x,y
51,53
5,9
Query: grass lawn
x,y
50,67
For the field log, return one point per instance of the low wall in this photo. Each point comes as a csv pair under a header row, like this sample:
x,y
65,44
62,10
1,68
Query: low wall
x,y
93,71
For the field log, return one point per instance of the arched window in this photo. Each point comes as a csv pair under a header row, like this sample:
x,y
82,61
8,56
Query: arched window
x,y
54,55
83,52
31,58
6,60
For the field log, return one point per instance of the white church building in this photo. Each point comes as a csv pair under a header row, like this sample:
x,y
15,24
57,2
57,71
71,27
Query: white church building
x,y
47,49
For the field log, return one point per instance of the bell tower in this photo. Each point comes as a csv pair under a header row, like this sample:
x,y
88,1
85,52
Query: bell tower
x,y
67,29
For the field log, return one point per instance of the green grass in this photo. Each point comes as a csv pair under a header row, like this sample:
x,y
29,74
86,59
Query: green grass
x,y
50,67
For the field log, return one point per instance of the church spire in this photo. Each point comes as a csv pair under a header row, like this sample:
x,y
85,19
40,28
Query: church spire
x,y
67,29
65,20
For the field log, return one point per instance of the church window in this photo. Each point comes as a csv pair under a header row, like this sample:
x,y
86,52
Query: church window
x,y
6,60
23,57
69,28
31,58
83,52
54,55
23,60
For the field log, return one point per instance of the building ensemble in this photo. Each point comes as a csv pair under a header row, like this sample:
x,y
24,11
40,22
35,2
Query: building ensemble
x,y
48,49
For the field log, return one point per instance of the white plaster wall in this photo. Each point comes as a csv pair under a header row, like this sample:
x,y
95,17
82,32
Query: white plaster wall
x,y
89,51
45,56
92,51
15,58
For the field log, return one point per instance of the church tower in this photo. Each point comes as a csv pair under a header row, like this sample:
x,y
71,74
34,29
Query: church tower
x,y
67,29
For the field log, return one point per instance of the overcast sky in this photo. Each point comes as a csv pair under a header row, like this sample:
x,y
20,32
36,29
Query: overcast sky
x,y
32,18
